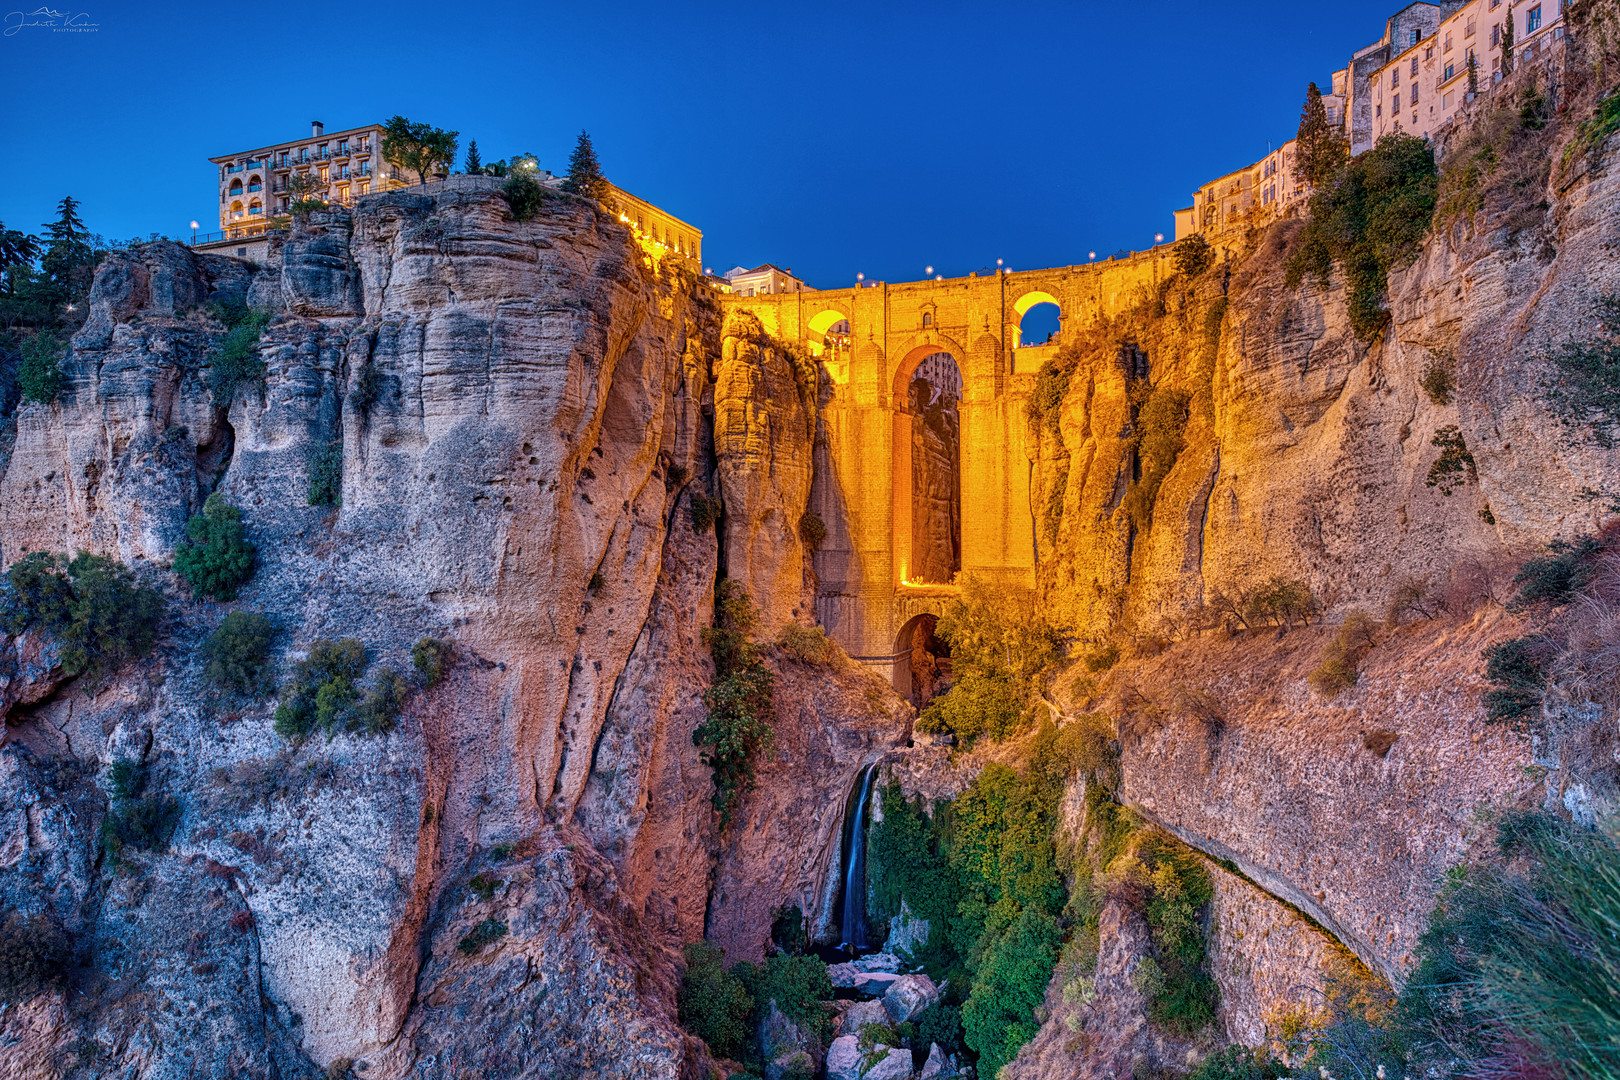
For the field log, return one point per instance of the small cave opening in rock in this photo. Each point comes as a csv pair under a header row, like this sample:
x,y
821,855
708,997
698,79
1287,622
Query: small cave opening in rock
x,y
936,470
922,661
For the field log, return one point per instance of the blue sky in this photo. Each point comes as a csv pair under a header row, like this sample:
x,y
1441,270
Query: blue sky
x,y
831,138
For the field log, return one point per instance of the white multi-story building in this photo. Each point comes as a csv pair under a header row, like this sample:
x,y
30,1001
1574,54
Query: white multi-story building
x,y
1422,89
763,279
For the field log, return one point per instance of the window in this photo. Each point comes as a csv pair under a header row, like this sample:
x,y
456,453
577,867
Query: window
x,y
1417,36
1451,71
1468,27
1446,45
1414,67
1378,110
1394,77
1445,102
928,318
1495,4
1397,106
1496,36
1532,22
1428,53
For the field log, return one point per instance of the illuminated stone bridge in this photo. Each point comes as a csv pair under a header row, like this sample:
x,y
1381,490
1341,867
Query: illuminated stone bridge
x,y
914,485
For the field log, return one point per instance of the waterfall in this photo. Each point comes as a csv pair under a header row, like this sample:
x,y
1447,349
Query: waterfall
x,y
852,925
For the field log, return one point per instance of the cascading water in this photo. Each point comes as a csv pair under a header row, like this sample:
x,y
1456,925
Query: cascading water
x,y
852,923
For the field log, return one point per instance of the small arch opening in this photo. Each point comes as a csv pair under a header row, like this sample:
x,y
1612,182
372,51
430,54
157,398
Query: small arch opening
x,y
1039,326
923,661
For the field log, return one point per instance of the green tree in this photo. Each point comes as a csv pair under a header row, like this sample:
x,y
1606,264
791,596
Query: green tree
x,y
17,250
1473,73
738,729
1193,255
68,260
714,1002
237,654
1507,42
303,187
584,171
475,164
420,148
1322,148
92,605
39,375
219,560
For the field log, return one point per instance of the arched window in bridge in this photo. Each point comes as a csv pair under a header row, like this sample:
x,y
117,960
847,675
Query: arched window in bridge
x,y
928,318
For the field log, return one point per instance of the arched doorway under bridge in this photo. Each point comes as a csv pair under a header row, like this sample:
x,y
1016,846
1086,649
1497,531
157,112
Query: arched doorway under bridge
x,y
922,669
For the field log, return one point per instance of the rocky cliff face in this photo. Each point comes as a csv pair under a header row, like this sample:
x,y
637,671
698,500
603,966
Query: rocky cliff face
x,y
523,412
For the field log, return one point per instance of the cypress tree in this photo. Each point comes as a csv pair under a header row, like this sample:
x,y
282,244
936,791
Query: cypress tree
x,y
1321,148
1507,42
1473,74
584,171
475,164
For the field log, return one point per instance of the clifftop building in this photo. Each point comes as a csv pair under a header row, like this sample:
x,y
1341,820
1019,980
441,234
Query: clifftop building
x,y
762,280
254,184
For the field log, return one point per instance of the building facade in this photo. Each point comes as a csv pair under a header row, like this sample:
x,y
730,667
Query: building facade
x,y
762,280
658,228
255,185
1404,31
1424,88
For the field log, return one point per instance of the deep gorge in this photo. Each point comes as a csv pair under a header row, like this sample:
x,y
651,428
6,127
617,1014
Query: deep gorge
x,y
516,743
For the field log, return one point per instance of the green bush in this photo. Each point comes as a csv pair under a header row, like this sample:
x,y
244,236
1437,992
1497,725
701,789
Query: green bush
x,y
1045,403
1193,255
704,512
1180,893
1455,465
800,987
1514,670
1009,984
1370,220
39,374
136,818
1556,578
1439,379
237,654
323,694
1583,388
738,729
1595,130
808,644
812,530
326,476
1002,649
481,936
91,605
713,1003
1341,659
430,657
1280,601
236,359
34,955
788,931
1157,439
524,196
219,560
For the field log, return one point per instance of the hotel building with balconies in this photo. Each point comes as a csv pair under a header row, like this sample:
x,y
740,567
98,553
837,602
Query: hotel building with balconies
x,y
255,185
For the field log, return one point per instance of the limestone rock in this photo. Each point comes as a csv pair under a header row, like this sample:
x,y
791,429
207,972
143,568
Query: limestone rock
x,y
934,1068
894,1065
844,1058
794,1065
908,996
30,669
868,982
860,1013
780,1038
907,933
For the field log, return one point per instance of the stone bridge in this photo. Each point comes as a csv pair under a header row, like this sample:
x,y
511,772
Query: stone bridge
x,y
877,483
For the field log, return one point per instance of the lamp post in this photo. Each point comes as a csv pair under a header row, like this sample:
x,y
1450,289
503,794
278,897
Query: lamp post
x,y
193,234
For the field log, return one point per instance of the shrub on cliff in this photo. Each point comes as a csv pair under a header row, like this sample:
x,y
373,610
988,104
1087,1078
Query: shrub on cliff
x,y
737,731
812,530
1369,220
1179,893
39,373
1341,659
1002,649
430,657
1516,672
92,605
714,1003
236,359
1439,378
800,987
1051,384
237,654
137,818
1455,465
34,955
219,560
1555,578
1157,439
326,476
807,644
1009,984
1583,388
323,694
1193,255
524,196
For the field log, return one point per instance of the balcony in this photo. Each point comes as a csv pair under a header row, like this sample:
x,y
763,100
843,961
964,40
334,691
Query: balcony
x,y
255,187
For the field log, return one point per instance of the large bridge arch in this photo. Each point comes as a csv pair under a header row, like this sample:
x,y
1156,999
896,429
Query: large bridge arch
x,y
863,479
